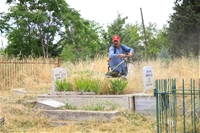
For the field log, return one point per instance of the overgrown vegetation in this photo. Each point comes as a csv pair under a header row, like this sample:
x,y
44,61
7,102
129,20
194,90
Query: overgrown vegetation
x,y
31,28
63,85
85,84
117,86
19,116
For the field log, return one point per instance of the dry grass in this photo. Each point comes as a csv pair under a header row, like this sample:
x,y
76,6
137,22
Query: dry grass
x,y
178,68
23,117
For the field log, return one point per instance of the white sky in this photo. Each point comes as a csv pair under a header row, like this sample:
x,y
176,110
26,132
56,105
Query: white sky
x,y
105,11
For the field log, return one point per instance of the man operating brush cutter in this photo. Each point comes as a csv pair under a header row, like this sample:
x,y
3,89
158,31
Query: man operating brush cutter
x,y
118,58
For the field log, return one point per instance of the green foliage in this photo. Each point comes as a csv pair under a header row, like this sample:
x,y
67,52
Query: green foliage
x,y
43,28
184,28
85,39
117,86
82,84
63,85
85,84
164,56
117,27
51,28
132,36
67,54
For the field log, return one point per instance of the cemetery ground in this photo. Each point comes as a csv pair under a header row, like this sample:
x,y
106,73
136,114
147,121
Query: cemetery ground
x,y
21,115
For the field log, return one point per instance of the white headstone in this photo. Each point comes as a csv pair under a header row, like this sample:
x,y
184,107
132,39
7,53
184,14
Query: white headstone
x,y
148,78
58,73
130,69
130,66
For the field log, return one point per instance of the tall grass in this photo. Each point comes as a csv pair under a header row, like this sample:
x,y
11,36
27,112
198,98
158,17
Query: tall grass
x,y
33,76
182,68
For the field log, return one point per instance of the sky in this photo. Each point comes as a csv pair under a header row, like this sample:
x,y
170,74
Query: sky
x,y
105,12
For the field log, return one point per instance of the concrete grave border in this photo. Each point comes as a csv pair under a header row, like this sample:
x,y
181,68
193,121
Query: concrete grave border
x,y
139,102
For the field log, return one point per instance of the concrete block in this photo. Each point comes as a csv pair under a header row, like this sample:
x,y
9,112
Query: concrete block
x,y
145,104
80,115
125,101
70,93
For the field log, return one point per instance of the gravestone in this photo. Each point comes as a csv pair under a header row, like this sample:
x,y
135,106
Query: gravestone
x,y
148,78
130,70
58,73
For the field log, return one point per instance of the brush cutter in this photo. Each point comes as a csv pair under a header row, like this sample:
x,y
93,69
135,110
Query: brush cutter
x,y
115,74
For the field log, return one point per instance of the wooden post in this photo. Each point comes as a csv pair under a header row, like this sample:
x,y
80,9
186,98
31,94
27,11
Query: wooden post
x,y
58,62
1,120
145,42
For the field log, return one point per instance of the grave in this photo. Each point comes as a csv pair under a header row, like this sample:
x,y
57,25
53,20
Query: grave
x,y
51,102
139,102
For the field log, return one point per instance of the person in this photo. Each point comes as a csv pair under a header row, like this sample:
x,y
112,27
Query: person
x,y
117,53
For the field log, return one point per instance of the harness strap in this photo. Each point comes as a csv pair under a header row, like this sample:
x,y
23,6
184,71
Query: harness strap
x,y
114,53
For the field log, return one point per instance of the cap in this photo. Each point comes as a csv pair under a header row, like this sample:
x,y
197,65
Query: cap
x,y
115,37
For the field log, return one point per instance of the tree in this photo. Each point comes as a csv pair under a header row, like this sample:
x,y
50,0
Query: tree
x,y
85,39
132,38
117,27
154,41
38,26
44,27
184,28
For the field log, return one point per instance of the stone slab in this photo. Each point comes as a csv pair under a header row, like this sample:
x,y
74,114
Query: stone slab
x,y
49,104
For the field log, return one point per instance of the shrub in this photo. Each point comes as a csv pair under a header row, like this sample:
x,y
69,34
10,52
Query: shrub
x,y
117,86
63,85
88,85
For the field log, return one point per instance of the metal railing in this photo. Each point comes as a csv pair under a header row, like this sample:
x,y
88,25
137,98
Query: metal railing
x,y
177,108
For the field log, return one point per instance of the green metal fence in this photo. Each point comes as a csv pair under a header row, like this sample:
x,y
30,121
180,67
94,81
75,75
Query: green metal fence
x,y
177,108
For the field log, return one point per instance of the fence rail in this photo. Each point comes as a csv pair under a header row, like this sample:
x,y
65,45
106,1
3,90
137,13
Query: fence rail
x,y
177,109
15,73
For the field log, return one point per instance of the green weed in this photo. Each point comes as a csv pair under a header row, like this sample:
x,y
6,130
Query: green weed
x,y
117,86
63,85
